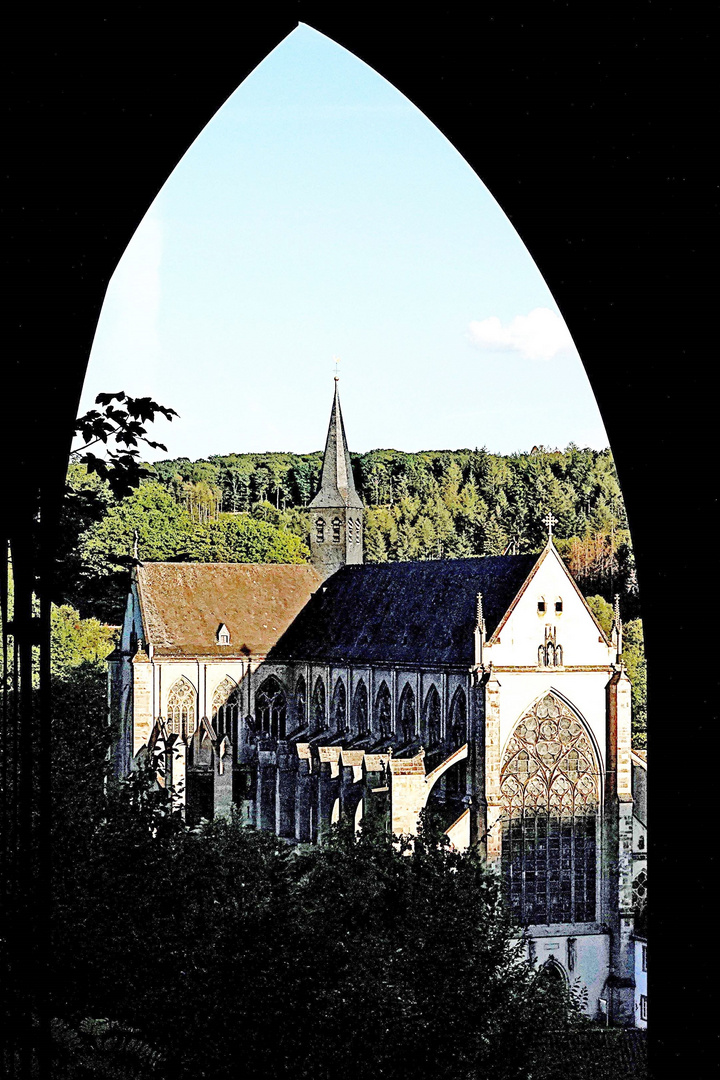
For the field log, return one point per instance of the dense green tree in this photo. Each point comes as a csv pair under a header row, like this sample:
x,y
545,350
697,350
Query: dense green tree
x,y
75,641
634,659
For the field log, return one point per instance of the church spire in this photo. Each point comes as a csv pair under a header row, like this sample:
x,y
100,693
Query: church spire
x,y
336,525
337,487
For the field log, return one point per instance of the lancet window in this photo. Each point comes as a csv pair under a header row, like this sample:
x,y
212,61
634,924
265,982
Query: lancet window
x,y
550,794
407,713
431,718
360,710
300,700
458,718
181,709
339,706
336,526
318,706
271,708
226,708
383,711
320,530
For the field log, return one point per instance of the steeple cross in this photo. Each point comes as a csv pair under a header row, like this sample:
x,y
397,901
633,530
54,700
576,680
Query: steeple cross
x,y
549,521
337,361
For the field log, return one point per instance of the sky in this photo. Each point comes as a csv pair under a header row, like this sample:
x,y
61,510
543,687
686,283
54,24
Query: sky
x,y
320,215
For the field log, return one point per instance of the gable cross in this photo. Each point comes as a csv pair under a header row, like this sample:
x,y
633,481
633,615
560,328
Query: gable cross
x,y
550,520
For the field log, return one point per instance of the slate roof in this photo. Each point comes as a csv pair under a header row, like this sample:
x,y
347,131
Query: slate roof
x,y
337,486
183,605
404,613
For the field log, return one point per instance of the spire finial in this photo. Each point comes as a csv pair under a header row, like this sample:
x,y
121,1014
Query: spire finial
x,y
136,539
337,374
549,521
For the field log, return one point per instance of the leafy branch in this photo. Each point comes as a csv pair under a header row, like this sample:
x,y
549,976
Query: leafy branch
x,y
125,427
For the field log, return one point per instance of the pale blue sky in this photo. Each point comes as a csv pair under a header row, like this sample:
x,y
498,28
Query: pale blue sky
x,y
320,214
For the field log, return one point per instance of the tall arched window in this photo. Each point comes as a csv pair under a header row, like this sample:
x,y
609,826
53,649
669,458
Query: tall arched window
x,y
226,708
320,530
181,709
318,706
271,708
336,526
360,710
339,706
407,713
458,718
383,711
300,701
431,718
549,785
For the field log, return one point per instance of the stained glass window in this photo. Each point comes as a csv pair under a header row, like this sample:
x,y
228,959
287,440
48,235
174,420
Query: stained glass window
x,y
549,784
383,711
271,708
360,709
181,714
300,699
458,718
339,706
407,713
431,718
318,706
226,707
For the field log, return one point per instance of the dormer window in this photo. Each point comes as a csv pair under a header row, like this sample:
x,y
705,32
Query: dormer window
x,y
320,530
541,606
223,635
558,606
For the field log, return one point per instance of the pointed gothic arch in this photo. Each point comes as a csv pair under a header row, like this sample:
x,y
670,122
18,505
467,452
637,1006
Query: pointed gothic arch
x,y
300,703
271,708
458,718
227,708
361,712
182,708
407,713
383,711
319,712
549,785
431,718
339,706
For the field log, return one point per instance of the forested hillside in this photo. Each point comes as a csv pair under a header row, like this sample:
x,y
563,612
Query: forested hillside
x,y
426,505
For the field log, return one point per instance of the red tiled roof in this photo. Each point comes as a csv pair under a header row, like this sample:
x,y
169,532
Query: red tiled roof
x,y
183,604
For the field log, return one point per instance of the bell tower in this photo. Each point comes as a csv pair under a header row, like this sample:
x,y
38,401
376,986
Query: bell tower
x,y
336,512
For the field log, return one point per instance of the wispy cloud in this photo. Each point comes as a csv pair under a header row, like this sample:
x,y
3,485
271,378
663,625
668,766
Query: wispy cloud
x,y
540,335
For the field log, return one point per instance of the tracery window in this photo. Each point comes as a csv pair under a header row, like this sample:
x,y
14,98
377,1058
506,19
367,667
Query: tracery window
x,y
407,713
320,530
226,708
639,897
336,525
383,711
549,785
458,718
271,708
181,709
300,699
360,710
431,718
318,706
339,706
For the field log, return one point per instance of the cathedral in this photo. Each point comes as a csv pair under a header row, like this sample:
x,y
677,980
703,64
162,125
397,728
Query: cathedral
x,y
305,695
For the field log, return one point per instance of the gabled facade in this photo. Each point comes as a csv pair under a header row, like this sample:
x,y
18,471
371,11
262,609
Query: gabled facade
x,y
305,695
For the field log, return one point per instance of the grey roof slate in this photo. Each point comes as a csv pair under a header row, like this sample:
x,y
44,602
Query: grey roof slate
x,y
337,486
404,612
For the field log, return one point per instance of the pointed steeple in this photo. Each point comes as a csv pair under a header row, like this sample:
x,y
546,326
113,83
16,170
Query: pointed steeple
x,y
337,487
336,524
